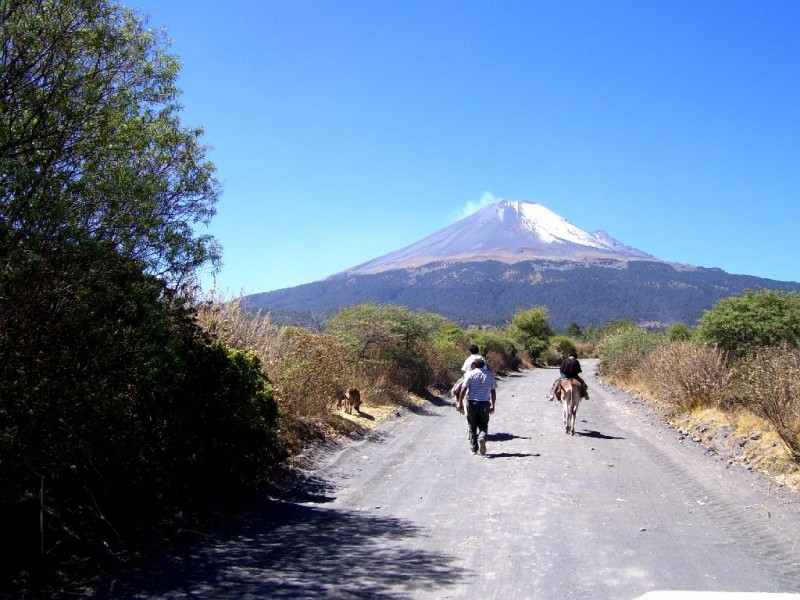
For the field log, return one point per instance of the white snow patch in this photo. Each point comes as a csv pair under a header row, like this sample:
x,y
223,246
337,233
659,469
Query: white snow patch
x,y
552,228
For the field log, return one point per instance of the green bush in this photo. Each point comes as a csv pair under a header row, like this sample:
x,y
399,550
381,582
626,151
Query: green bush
x,y
679,332
449,349
562,346
623,353
551,358
389,343
530,328
497,348
613,327
756,319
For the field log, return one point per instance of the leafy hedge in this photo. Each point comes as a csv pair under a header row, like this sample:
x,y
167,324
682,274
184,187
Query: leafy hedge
x,y
118,410
752,320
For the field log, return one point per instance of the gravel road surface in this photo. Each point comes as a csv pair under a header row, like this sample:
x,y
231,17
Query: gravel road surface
x,y
625,507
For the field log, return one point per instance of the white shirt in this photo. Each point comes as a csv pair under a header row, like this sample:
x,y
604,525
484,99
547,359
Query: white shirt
x,y
479,384
470,359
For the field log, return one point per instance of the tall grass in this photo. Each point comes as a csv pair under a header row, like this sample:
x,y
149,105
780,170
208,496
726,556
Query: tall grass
x,y
691,375
768,381
687,375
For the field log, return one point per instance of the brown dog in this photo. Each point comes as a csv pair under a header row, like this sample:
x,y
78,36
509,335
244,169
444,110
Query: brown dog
x,y
352,400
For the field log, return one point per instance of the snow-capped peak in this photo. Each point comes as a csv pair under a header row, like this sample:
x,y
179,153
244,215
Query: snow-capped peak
x,y
508,231
550,227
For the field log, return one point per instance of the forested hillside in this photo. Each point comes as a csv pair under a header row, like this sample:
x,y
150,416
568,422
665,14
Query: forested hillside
x,y
479,293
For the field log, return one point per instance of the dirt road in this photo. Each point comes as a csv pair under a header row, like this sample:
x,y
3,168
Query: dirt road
x,y
622,508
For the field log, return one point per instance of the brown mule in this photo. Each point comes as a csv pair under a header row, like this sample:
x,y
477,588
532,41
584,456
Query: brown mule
x,y
570,399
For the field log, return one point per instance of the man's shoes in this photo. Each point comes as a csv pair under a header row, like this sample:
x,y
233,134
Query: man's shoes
x,y
482,446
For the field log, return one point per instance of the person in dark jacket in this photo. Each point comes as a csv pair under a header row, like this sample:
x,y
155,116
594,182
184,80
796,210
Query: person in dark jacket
x,y
570,369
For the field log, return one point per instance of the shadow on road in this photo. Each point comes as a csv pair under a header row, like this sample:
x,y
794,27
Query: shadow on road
x,y
596,434
511,455
439,400
287,550
505,437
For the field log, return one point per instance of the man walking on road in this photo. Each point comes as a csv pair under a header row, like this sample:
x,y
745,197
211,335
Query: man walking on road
x,y
479,392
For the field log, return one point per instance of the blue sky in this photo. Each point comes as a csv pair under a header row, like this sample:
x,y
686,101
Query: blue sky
x,y
343,130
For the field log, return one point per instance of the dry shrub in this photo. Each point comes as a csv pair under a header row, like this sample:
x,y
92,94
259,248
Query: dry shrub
x,y
586,349
498,362
769,381
386,392
307,370
687,375
238,329
309,373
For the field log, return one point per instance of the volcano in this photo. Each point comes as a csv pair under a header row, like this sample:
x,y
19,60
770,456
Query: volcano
x,y
508,232
510,255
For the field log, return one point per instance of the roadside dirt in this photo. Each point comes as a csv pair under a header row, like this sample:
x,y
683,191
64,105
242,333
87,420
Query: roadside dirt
x,y
627,506
742,439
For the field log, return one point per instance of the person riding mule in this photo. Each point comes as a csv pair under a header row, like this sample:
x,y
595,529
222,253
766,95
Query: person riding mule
x,y
570,369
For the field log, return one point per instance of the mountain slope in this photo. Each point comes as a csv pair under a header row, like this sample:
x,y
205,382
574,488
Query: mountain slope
x,y
513,255
507,231
489,292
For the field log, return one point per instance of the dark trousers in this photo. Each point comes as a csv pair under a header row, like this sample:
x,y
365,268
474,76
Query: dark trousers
x,y
477,422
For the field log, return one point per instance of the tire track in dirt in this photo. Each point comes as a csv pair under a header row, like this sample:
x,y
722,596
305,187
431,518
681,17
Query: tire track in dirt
x,y
722,496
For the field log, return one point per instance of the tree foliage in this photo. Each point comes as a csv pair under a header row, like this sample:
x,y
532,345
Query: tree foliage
x,y
388,340
755,319
487,293
531,328
574,331
116,409
117,403
91,143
